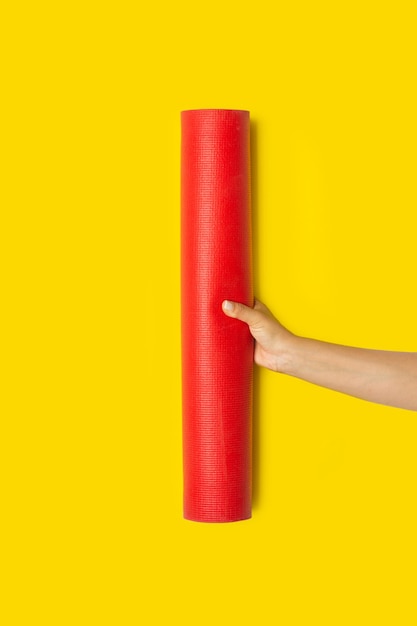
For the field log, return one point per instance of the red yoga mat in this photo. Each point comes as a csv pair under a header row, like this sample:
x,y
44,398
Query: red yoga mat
x,y
217,351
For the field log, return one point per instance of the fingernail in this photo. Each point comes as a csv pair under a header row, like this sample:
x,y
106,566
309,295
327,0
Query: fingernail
x,y
227,305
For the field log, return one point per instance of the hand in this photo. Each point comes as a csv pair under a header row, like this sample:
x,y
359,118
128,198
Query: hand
x,y
274,342
380,376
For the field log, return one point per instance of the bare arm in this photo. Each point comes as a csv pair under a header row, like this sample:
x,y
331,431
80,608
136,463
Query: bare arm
x,y
376,375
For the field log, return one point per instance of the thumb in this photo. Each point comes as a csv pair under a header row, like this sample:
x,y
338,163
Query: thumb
x,y
241,312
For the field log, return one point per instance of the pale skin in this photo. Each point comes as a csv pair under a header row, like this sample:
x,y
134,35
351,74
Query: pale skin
x,y
379,376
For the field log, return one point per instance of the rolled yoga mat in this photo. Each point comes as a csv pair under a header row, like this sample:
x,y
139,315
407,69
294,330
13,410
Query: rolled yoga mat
x,y
217,351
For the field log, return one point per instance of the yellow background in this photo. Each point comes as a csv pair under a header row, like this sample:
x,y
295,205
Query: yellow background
x,y
91,491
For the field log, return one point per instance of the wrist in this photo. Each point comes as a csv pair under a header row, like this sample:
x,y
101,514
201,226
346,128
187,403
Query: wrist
x,y
288,355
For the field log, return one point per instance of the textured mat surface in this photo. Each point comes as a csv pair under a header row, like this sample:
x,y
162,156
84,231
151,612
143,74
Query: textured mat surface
x,y
217,352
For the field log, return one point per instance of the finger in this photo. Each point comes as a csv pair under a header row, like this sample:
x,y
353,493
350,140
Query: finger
x,y
240,311
260,306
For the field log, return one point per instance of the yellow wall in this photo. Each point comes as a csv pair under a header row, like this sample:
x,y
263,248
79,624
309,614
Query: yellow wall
x,y
91,405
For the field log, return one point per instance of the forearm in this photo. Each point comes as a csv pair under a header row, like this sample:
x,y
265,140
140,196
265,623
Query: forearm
x,y
378,376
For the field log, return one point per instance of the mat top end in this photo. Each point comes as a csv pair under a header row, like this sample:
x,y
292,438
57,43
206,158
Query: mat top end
x,y
215,110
